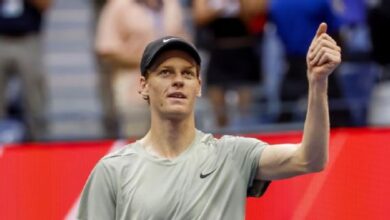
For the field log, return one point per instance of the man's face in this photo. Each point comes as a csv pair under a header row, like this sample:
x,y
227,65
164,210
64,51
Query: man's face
x,y
172,85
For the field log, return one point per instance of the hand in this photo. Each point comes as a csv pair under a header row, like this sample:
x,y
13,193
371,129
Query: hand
x,y
324,55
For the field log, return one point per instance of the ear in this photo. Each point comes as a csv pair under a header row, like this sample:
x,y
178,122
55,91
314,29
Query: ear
x,y
199,93
200,89
144,88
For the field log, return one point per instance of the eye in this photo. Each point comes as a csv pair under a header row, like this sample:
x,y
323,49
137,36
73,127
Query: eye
x,y
189,74
164,72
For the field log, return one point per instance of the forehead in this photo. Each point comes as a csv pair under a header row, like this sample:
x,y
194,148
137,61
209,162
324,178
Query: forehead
x,y
166,55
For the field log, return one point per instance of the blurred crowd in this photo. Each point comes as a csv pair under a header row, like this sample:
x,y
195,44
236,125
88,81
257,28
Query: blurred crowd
x,y
254,61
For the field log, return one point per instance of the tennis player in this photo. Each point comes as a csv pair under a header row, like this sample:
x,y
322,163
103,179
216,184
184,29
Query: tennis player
x,y
178,172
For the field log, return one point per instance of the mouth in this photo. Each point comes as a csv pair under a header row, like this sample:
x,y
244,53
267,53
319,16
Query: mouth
x,y
177,95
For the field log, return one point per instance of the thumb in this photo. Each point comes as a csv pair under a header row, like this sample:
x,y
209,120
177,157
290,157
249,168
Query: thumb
x,y
321,29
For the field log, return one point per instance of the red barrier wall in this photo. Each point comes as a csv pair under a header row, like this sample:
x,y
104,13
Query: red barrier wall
x,y
43,181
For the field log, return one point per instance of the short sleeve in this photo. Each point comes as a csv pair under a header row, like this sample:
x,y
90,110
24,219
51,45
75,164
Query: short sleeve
x,y
98,200
246,153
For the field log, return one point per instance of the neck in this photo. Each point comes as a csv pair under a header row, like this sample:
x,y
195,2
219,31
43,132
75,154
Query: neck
x,y
168,138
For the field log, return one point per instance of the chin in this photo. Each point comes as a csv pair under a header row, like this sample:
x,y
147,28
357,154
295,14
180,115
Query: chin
x,y
177,113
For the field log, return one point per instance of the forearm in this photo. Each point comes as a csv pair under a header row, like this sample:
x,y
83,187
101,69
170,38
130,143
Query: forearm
x,y
314,147
288,160
323,57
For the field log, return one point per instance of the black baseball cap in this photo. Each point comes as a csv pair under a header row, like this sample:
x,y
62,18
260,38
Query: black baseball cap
x,y
156,47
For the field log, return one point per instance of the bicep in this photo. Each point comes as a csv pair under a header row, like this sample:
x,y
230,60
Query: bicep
x,y
280,161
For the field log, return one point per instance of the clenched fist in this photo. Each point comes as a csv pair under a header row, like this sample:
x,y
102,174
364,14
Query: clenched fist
x,y
324,55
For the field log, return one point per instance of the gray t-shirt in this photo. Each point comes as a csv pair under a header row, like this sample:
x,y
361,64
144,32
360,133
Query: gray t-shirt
x,y
210,180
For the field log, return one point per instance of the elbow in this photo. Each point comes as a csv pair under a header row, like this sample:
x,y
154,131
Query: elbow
x,y
316,166
316,169
314,158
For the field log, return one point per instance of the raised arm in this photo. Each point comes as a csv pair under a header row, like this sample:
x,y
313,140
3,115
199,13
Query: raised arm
x,y
288,160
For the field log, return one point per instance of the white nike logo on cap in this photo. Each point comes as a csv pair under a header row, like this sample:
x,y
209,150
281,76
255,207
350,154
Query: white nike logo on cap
x,y
168,39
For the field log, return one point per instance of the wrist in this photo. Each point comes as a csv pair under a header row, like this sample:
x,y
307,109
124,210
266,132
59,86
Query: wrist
x,y
319,84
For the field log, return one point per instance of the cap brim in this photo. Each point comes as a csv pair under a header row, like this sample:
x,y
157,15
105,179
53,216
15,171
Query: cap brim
x,y
173,45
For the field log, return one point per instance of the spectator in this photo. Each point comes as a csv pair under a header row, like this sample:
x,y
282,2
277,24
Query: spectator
x,y
233,63
357,74
379,20
124,29
109,120
296,21
20,42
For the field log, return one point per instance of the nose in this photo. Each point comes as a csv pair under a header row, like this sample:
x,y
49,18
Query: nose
x,y
178,81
